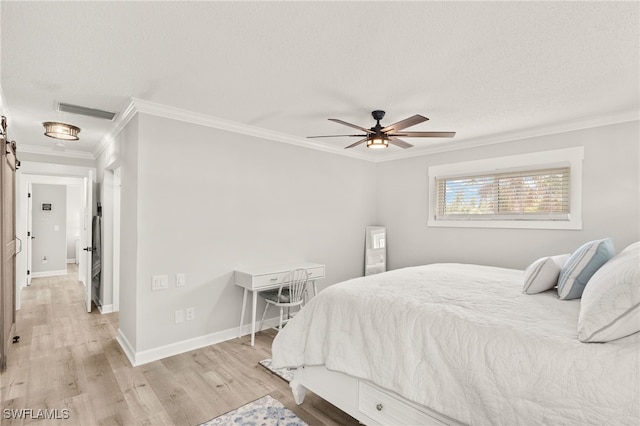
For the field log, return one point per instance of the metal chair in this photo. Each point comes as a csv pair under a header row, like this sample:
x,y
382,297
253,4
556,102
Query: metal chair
x,y
291,293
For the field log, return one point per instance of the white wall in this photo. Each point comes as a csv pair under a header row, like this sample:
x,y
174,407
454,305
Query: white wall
x,y
208,202
125,149
611,203
54,159
49,230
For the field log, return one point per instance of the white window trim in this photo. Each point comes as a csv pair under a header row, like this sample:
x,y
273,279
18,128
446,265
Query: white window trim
x,y
571,157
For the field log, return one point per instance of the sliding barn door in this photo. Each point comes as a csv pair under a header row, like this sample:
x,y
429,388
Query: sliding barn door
x,y
7,242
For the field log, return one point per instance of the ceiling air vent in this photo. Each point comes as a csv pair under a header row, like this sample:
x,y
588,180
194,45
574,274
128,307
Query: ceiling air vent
x,y
89,112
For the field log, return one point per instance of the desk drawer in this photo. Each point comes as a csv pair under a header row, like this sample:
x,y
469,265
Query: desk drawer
x,y
389,410
279,277
315,273
269,279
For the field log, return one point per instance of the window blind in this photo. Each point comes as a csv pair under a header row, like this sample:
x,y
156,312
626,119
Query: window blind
x,y
539,194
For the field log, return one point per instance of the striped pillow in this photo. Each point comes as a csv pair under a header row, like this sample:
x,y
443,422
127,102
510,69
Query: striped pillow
x,y
581,266
542,275
610,305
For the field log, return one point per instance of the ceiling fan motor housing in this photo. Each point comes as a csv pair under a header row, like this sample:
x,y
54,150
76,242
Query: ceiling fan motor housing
x,y
377,115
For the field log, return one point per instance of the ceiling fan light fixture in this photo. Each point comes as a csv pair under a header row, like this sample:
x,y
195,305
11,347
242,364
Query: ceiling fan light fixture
x,y
377,142
379,137
63,131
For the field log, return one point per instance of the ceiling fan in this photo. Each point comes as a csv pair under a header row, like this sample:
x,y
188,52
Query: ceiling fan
x,y
381,137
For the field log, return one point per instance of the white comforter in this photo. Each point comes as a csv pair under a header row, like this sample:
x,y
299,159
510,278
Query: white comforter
x,y
465,341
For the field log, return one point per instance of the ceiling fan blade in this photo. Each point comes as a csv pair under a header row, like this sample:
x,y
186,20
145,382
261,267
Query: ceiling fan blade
x,y
425,134
399,142
337,136
407,122
356,144
335,120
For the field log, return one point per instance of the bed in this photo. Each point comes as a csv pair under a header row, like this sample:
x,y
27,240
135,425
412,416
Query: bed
x,y
457,344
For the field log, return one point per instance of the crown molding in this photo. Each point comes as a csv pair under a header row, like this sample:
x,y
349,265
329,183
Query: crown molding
x,y
568,126
147,107
41,150
187,116
137,105
121,121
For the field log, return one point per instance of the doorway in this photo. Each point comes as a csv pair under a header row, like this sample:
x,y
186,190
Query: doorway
x,y
111,242
72,177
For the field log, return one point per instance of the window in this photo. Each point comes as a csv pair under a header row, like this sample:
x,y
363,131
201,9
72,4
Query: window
x,y
539,190
527,195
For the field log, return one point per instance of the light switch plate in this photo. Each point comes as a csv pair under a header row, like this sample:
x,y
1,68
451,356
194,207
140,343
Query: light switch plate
x,y
181,280
159,282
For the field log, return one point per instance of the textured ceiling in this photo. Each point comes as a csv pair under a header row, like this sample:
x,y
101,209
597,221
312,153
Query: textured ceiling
x,y
482,69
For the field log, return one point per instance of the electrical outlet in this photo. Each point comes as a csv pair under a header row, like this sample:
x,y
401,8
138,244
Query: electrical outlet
x,y
159,282
191,314
179,316
181,280
44,259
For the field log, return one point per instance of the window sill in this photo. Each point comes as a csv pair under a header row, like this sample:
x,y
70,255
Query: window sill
x,y
512,224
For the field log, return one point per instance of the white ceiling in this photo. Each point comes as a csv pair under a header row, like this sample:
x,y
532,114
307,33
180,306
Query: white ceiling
x,y
488,70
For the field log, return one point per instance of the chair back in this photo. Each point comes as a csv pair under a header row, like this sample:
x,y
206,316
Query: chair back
x,y
297,284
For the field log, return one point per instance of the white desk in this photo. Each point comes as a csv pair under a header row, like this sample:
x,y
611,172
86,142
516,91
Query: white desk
x,y
266,278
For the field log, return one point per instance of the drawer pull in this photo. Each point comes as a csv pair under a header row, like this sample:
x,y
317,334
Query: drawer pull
x,y
379,407
273,279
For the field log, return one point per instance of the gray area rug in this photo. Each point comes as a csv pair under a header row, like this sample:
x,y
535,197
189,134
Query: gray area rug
x,y
265,411
285,373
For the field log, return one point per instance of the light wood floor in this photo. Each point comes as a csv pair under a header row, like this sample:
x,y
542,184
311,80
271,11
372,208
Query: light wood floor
x,y
69,359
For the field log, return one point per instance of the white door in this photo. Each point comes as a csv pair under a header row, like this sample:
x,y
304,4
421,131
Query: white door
x,y
30,235
86,238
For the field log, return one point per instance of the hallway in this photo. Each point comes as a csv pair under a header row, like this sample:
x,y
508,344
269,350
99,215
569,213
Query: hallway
x,y
68,359
63,352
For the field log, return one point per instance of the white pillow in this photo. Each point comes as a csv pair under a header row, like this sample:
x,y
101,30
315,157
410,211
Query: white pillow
x,y
583,263
542,275
610,305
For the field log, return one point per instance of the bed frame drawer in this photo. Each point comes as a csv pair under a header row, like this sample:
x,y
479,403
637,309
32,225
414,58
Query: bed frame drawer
x,y
389,410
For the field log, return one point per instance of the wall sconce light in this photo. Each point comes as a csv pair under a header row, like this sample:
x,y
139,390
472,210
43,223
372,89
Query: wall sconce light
x,y
64,131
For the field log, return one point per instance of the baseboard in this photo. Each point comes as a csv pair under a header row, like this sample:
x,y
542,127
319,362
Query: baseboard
x,y
105,309
150,355
49,273
126,347
71,261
